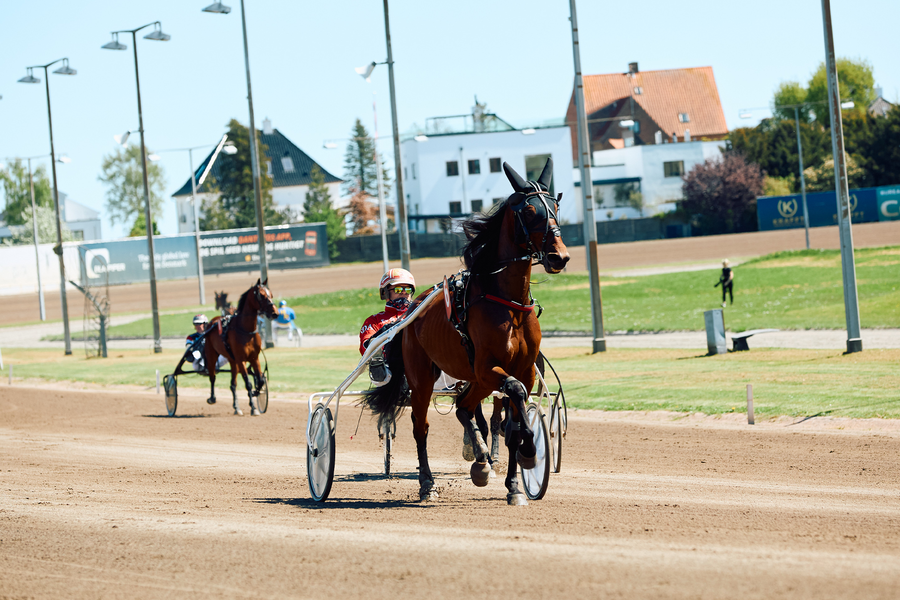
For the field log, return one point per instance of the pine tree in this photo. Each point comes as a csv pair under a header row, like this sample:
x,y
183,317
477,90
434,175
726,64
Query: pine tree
x,y
317,208
359,164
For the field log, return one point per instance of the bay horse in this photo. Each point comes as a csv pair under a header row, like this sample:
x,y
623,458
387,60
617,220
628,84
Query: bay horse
x,y
238,340
500,322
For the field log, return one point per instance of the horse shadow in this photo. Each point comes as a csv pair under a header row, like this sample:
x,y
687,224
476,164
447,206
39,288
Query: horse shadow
x,y
343,503
176,416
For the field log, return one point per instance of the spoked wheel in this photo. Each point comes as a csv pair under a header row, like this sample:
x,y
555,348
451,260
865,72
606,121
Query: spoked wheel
x,y
170,384
262,401
535,480
556,436
387,434
320,457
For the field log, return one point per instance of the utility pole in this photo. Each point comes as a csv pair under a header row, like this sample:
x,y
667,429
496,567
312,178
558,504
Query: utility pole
x,y
802,178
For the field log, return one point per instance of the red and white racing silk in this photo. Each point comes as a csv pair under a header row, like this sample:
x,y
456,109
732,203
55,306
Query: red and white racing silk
x,y
393,311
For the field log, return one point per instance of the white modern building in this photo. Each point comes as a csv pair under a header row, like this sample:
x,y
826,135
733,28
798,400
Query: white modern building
x,y
83,222
287,165
450,175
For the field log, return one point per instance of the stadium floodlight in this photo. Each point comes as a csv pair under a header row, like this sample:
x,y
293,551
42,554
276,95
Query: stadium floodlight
x,y
64,159
30,78
153,157
230,149
848,104
122,139
529,131
626,123
330,145
217,8
114,44
65,69
157,34
421,138
746,115
366,71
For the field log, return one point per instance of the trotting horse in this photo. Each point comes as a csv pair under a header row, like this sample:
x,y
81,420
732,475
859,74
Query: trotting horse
x,y
240,343
501,324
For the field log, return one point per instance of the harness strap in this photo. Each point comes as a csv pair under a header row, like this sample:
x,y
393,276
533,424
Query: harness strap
x,y
510,303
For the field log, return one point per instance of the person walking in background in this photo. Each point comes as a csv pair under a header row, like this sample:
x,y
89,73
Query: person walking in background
x,y
285,320
726,280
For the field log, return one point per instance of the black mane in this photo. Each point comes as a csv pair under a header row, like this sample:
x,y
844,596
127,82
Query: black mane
x,y
242,301
482,231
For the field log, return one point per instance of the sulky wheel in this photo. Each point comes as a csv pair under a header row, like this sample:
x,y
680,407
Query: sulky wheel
x,y
170,384
387,433
320,457
534,481
556,436
263,399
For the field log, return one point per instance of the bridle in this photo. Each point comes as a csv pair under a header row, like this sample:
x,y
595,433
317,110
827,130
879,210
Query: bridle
x,y
545,208
259,300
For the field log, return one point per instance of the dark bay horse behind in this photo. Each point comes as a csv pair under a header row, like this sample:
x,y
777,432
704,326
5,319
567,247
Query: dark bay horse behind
x,y
500,321
238,340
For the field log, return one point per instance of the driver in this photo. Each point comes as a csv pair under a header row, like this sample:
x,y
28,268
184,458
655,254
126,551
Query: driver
x,y
196,344
397,287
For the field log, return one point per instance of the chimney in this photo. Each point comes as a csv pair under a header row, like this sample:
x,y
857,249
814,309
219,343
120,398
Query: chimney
x,y
632,68
878,92
674,138
687,135
267,126
657,137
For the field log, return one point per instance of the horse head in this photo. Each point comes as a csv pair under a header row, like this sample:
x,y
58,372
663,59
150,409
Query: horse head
x,y
262,299
537,218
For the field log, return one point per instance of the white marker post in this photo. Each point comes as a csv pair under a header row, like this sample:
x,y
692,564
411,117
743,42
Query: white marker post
x,y
157,381
750,419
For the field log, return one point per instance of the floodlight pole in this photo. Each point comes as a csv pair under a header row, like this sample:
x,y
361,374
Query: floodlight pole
x,y
802,178
37,253
398,177
584,166
842,191
196,227
381,211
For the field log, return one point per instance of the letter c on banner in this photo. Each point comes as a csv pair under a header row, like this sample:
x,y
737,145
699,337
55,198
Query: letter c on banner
x,y
89,256
884,208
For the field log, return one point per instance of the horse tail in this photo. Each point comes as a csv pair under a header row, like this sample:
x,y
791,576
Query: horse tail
x,y
389,400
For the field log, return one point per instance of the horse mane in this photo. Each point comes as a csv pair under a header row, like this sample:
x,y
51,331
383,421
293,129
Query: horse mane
x,y
480,252
241,302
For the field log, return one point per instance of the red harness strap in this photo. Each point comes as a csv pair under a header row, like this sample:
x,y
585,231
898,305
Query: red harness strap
x,y
510,303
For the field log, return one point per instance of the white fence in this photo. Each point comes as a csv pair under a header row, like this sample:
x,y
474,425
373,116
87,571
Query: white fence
x,y
18,268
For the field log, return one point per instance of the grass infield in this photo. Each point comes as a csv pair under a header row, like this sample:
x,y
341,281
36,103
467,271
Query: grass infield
x,y
786,290
785,382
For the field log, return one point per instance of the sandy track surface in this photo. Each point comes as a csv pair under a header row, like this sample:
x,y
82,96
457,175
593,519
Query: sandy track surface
x,y
612,258
104,497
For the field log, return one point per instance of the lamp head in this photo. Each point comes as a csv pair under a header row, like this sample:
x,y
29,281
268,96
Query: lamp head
x,y
330,145
421,138
745,115
528,131
229,149
848,104
366,71
122,139
65,69
114,44
64,159
29,78
217,8
157,34
153,157
626,123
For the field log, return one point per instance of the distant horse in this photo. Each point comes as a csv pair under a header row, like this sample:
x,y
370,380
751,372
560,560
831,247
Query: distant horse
x,y
238,340
500,322
222,304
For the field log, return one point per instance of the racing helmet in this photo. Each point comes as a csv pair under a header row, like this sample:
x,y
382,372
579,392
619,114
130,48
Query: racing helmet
x,y
395,277
200,320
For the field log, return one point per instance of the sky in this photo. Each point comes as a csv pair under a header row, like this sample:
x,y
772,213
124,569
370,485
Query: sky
x,y
515,55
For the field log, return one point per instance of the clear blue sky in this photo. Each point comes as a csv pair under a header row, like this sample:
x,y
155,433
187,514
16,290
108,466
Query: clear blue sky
x,y
514,54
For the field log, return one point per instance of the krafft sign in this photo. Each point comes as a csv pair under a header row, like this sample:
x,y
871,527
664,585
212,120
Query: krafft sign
x,y
786,212
127,261
889,203
287,247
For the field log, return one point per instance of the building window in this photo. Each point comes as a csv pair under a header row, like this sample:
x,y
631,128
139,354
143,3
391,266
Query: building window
x,y
534,165
269,167
413,166
636,127
287,163
477,206
674,168
405,176
638,90
683,118
495,165
474,167
452,168
456,207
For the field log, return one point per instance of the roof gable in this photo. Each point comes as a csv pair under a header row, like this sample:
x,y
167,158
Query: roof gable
x,y
278,147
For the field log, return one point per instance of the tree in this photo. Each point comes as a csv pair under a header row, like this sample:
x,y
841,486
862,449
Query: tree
x,y
627,194
121,171
317,208
820,178
359,164
773,145
720,195
139,229
46,220
855,82
779,186
363,213
789,93
18,191
236,205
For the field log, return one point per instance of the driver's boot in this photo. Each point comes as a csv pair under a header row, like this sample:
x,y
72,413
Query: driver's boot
x,y
379,373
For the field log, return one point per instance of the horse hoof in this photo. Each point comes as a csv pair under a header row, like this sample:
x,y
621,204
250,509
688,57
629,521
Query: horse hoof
x,y
427,493
210,400
492,474
516,500
238,412
480,473
526,462
255,412
468,451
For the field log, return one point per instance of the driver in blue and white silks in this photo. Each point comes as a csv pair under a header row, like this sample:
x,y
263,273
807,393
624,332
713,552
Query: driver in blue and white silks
x,y
195,346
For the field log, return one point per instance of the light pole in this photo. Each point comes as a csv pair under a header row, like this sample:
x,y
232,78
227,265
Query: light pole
x,y
219,8
30,78
842,191
381,211
584,166
159,36
222,146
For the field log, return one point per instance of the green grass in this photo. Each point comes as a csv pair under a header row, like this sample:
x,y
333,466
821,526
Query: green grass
x,y
786,290
785,382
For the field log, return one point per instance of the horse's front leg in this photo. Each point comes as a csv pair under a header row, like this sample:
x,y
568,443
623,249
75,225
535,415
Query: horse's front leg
x,y
427,493
235,367
258,377
254,409
212,387
480,470
495,430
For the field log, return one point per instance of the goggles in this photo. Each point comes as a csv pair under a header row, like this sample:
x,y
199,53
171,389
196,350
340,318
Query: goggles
x,y
403,289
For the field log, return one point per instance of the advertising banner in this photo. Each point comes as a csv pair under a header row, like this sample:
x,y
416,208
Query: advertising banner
x,y
786,212
889,203
127,261
287,247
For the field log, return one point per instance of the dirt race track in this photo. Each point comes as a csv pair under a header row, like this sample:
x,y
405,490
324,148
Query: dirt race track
x,y
102,496
183,293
